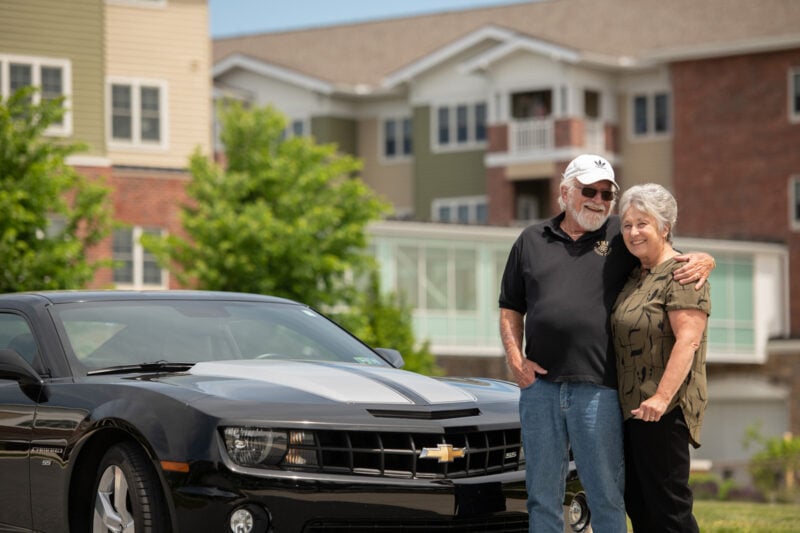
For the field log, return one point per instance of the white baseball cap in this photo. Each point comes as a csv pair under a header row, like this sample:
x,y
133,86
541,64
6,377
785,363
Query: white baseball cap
x,y
590,168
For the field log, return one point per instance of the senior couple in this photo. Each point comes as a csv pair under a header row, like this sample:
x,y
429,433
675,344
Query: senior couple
x,y
613,366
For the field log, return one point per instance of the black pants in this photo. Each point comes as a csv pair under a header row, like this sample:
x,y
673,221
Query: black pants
x,y
657,493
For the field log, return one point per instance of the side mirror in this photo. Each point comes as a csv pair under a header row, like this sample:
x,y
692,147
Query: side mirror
x,y
13,366
393,357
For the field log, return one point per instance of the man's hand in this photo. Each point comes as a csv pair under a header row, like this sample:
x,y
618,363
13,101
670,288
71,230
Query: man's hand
x,y
696,270
525,373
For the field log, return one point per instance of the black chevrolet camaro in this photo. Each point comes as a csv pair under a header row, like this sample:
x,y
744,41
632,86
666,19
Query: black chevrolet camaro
x,y
203,411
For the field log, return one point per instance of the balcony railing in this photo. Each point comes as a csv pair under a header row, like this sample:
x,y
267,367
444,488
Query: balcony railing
x,y
530,135
538,134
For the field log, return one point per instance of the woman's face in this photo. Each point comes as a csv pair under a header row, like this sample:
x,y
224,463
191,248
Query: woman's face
x,y
642,236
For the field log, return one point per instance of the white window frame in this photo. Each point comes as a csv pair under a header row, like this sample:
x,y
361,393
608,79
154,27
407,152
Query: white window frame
x,y
137,255
794,202
136,141
794,89
400,155
56,130
470,202
650,100
453,145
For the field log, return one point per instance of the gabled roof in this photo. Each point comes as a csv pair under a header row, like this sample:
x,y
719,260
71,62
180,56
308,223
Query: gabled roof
x,y
619,32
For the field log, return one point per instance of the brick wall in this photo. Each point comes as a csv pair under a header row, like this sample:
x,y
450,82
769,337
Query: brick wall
x,y
148,198
735,151
500,193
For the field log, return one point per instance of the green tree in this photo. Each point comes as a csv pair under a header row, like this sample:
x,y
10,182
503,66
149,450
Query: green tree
x,y
776,467
51,215
286,217
384,320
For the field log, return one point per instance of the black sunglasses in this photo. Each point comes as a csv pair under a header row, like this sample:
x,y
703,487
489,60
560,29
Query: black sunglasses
x,y
590,192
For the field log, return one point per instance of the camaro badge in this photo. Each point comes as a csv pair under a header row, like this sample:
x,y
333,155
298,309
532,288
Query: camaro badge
x,y
602,248
444,452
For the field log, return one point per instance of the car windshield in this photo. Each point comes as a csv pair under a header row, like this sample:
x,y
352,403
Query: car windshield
x,y
114,333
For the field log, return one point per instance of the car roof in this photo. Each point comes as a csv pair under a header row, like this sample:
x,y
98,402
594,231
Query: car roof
x,y
73,296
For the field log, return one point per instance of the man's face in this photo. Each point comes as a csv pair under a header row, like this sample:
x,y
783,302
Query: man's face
x,y
585,205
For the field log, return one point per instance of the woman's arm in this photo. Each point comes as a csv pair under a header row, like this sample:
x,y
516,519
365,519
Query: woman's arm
x,y
688,326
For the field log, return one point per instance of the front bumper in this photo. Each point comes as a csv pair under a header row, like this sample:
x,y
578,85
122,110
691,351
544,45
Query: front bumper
x,y
204,500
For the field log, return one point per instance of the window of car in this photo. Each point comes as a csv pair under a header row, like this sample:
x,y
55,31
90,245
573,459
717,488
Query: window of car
x,y
137,113
15,334
103,334
52,77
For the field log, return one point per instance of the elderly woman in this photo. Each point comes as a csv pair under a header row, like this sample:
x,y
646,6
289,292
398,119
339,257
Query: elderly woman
x,y
659,330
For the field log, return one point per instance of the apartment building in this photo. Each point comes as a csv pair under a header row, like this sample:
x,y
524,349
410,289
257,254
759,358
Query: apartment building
x,y
466,119
135,74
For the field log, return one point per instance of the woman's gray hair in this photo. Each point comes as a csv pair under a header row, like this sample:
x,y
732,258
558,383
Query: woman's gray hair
x,y
654,200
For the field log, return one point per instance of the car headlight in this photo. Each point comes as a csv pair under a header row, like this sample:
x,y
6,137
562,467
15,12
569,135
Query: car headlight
x,y
248,446
252,446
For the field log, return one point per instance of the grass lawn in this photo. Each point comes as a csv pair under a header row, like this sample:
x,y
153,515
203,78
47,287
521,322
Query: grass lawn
x,y
746,517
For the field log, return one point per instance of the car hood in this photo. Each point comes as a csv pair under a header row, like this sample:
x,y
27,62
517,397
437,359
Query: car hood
x,y
337,382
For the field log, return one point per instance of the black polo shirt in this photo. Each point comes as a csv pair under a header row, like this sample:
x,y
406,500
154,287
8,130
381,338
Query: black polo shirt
x,y
565,289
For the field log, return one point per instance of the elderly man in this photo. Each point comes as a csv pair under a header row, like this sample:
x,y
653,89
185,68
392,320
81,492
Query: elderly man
x,y
560,281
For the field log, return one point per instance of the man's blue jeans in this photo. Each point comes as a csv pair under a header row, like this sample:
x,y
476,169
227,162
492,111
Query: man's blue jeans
x,y
588,418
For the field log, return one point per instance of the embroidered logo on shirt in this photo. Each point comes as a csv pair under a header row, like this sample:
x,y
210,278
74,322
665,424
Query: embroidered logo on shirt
x,y
602,248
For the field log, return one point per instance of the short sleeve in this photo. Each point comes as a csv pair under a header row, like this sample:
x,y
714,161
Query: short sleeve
x,y
686,297
512,285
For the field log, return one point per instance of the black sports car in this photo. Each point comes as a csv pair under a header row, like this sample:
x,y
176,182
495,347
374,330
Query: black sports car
x,y
201,411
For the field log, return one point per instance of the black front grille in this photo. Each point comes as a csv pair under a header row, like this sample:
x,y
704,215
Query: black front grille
x,y
503,523
398,454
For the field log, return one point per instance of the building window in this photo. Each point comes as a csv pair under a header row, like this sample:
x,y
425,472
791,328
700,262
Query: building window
x,y
461,210
137,113
437,278
651,115
794,94
731,327
461,126
135,268
296,127
794,202
51,76
591,104
397,143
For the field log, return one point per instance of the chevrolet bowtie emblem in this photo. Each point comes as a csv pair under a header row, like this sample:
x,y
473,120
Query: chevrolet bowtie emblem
x,y
445,453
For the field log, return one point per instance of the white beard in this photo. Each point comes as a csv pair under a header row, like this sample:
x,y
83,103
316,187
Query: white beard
x,y
588,220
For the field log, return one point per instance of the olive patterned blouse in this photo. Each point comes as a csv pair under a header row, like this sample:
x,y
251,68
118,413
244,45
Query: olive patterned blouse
x,y
643,341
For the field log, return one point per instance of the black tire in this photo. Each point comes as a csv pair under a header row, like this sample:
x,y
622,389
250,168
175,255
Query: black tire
x,y
127,495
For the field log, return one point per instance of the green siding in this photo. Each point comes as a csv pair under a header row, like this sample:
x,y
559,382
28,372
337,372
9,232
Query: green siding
x,y
341,131
72,30
442,175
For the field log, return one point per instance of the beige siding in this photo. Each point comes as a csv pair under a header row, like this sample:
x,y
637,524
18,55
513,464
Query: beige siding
x,y
171,44
644,161
70,31
393,180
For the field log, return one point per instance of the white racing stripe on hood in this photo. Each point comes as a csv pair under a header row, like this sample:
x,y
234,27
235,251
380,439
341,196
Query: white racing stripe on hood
x,y
336,383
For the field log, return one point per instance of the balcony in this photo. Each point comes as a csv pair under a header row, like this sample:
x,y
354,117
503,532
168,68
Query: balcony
x,y
530,136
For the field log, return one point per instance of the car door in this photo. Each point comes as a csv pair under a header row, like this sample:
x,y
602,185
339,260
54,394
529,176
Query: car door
x,y
17,410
